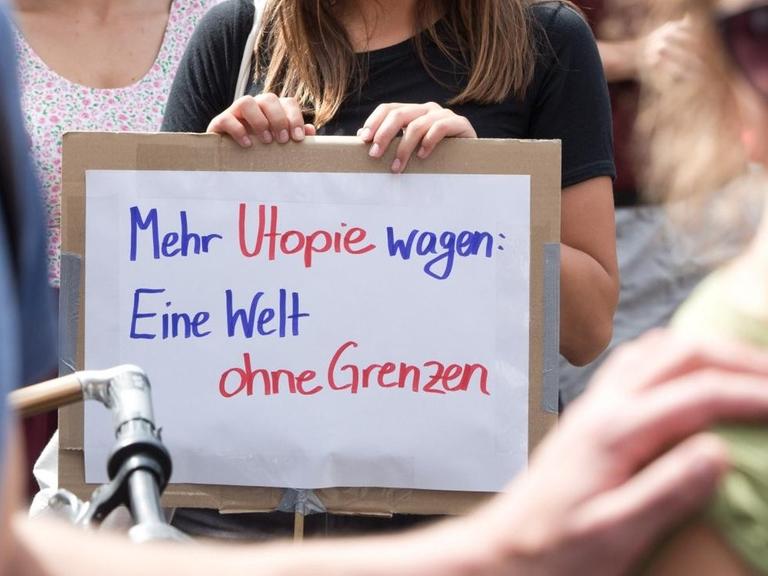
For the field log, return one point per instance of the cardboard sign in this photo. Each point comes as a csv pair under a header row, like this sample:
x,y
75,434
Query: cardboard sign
x,y
311,321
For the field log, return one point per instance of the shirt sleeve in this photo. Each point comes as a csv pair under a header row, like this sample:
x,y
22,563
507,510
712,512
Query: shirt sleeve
x,y
571,101
205,83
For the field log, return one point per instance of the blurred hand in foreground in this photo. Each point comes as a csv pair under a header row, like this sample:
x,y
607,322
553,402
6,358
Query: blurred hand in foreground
x,y
630,460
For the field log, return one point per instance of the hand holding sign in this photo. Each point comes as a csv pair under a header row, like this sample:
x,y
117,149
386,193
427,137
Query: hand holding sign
x,y
268,117
423,126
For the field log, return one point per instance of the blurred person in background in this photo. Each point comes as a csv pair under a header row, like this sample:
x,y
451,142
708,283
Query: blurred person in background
x,y
709,151
659,263
102,65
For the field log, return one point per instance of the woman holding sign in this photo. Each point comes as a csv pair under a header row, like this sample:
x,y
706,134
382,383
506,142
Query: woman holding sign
x,y
278,70
431,69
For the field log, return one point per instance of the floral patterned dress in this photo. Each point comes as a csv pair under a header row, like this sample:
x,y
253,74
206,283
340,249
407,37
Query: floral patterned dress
x,y
53,105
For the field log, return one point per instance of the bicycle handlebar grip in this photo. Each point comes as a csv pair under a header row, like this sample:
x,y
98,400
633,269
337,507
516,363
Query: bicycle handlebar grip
x,y
46,396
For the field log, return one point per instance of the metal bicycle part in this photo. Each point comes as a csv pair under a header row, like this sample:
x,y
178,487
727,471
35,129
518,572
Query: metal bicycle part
x,y
139,467
65,505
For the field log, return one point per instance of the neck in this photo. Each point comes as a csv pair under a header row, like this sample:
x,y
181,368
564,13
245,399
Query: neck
x,y
385,9
377,24
100,8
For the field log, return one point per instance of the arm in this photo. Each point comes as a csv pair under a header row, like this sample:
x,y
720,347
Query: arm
x,y
596,511
48,548
52,548
571,104
620,59
669,48
589,276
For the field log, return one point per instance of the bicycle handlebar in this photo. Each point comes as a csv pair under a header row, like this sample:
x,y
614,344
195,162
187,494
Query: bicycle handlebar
x,y
46,396
139,466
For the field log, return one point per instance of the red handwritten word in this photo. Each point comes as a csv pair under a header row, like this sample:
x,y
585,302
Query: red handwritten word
x,y
295,241
431,377
439,379
246,379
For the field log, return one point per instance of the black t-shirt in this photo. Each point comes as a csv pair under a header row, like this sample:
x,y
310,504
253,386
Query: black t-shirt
x,y
567,100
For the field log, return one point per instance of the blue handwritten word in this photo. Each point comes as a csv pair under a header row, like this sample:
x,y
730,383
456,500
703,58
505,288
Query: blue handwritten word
x,y
173,243
260,320
173,324
445,246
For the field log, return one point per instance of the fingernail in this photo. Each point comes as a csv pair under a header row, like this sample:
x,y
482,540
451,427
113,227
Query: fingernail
x,y
396,165
283,136
422,152
298,133
364,133
266,137
374,151
245,141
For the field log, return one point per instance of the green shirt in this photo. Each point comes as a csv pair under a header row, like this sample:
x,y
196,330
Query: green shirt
x,y
739,509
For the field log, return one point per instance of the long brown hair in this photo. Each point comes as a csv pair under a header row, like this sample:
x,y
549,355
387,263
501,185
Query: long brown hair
x,y
691,123
304,51
694,160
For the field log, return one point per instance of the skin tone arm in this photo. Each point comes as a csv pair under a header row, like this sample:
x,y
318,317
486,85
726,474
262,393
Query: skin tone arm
x,y
598,493
620,59
589,274
670,47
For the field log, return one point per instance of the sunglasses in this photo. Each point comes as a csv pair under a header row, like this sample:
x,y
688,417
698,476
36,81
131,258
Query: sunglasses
x,y
745,35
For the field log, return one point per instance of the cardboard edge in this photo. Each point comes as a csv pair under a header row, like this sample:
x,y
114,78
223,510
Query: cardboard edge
x,y
212,152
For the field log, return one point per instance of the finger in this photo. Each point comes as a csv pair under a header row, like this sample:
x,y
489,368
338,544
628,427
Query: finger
x,y
295,118
682,27
632,358
681,62
450,126
395,120
373,121
249,112
685,355
227,123
310,130
665,415
675,355
276,116
665,493
681,53
411,139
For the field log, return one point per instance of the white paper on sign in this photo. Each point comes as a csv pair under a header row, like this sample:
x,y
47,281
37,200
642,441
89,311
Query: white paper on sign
x,y
311,330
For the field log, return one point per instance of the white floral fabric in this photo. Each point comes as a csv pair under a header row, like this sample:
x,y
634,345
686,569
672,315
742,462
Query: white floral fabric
x,y
53,105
